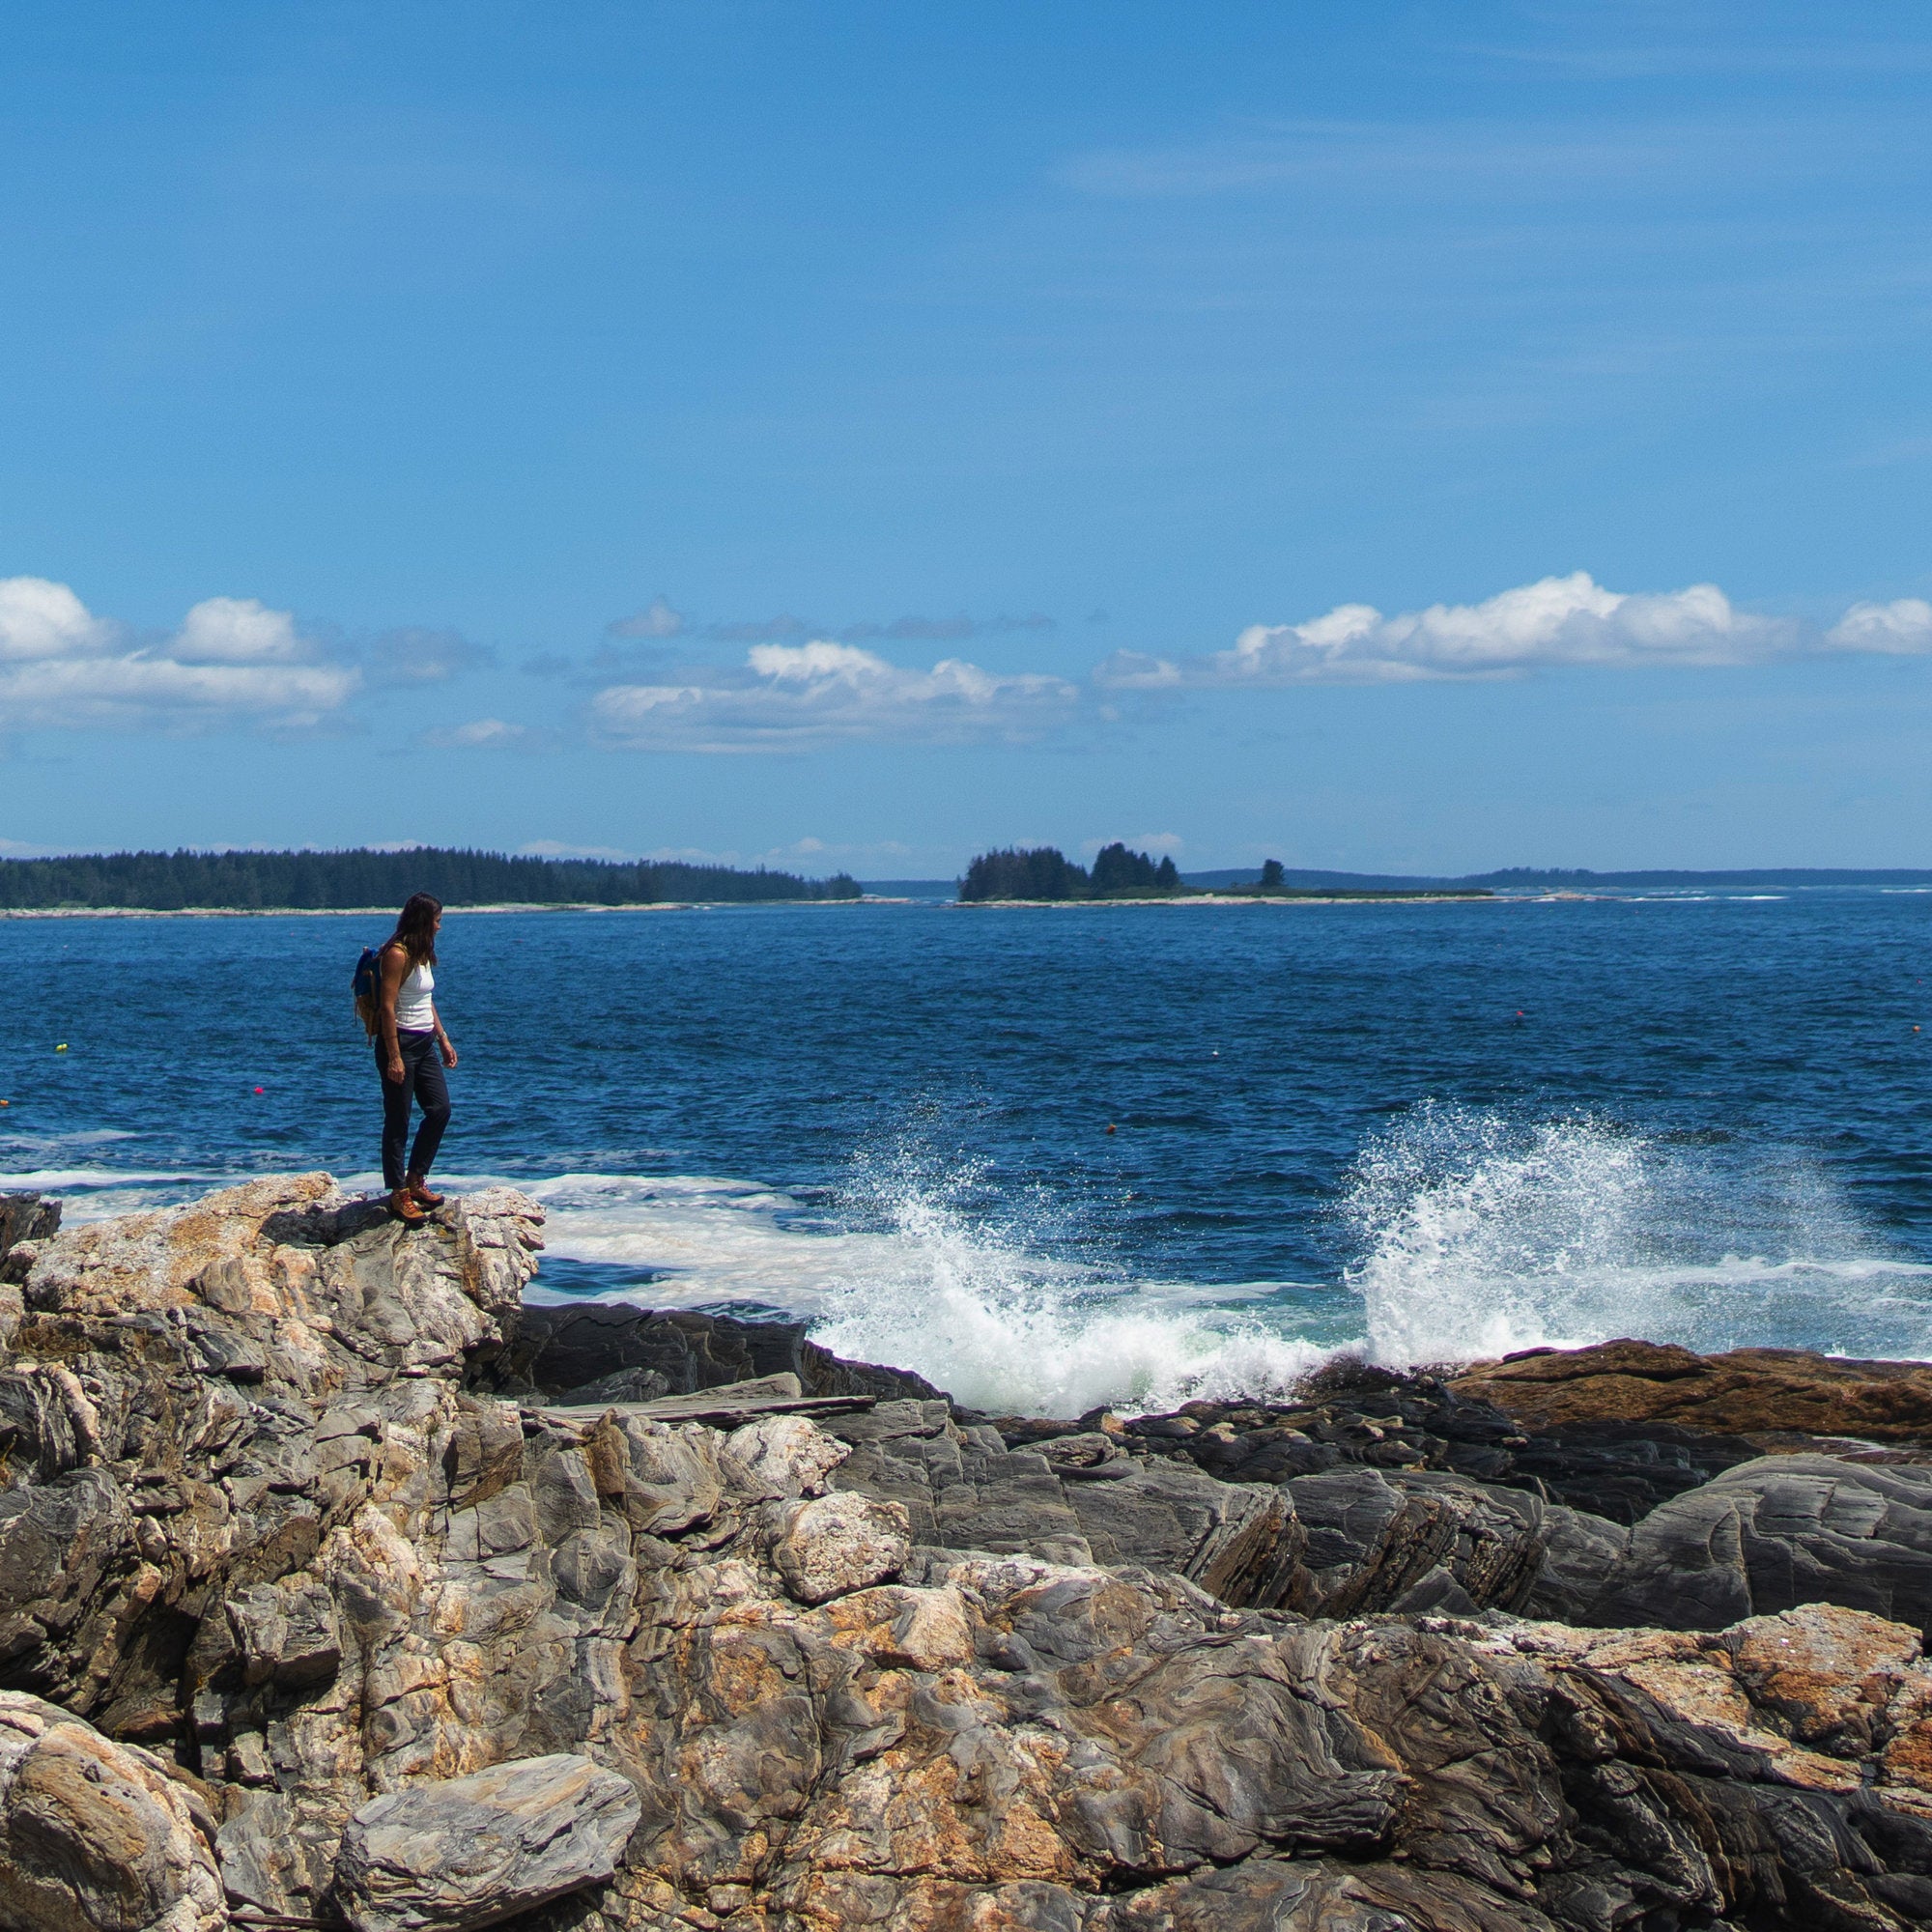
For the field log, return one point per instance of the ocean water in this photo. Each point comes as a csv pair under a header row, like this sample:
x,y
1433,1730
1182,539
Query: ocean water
x,y
1053,1158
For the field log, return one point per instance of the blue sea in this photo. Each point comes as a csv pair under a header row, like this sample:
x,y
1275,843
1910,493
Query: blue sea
x,y
1051,1157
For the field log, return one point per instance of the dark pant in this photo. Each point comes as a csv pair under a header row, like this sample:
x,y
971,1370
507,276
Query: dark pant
x,y
422,1076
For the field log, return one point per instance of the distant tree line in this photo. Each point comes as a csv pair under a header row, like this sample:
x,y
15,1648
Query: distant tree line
x,y
1044,873
319,881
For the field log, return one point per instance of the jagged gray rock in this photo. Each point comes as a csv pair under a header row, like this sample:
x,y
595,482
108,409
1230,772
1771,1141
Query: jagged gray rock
x,y
467,1852
607,1351
1769,1535
283,1518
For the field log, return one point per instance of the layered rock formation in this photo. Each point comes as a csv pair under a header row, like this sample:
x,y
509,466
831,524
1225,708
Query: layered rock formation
x,y
339,1588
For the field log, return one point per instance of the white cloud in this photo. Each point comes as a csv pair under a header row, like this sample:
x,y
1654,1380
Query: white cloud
x,y
798,696
804,664
658,619
1558,622
39,619
138,689
1903,628
237,630
233,661
479,735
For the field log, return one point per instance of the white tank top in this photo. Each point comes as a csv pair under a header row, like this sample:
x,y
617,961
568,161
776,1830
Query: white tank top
x,y
416,1010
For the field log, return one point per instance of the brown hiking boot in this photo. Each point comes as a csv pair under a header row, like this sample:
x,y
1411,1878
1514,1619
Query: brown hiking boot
x,y
420,1193
403,1207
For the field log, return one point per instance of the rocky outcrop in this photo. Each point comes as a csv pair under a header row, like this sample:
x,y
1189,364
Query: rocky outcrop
x,y
1774,1392
336,1590
1352,1413
604,1352
25,1221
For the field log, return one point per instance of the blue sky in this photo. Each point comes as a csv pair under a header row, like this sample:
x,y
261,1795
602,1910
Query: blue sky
x,y
856,435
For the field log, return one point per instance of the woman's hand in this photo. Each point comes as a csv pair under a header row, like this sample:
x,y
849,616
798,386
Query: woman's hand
x,y
447,1047
393,1072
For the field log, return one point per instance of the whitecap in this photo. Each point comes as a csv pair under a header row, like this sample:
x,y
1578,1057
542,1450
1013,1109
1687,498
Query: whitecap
x,y
1479,1235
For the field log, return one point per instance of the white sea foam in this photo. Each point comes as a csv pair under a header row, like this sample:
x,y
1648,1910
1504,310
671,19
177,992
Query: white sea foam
x,y
1474,1233
918,1284
1479,1235
94,1193
986,1318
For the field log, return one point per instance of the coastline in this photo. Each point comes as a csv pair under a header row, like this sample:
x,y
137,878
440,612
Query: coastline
x,y
1248,900
389,911
731,906
357,1547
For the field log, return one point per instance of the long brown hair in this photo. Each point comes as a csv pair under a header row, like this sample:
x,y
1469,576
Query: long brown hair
x,y
416,929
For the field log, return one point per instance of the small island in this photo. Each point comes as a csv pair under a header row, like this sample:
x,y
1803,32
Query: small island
x,y
1044,875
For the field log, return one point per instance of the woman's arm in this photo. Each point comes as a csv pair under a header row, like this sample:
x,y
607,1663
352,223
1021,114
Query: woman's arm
x,y
444,1044
395,963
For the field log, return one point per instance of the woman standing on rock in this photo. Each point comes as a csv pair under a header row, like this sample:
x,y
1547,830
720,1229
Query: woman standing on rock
x,y
411,1050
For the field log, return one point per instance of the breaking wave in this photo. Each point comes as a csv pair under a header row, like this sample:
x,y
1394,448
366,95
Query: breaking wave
x,y
901,1271
1462,1233
1477,1235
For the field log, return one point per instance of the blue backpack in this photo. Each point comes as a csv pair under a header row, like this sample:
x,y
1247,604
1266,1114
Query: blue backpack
x,y
367,986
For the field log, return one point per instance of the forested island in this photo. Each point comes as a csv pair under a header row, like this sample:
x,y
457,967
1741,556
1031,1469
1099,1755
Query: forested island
x,y
1044,873
339,881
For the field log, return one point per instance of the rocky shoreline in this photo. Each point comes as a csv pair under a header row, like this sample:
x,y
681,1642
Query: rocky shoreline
x,y
338,1588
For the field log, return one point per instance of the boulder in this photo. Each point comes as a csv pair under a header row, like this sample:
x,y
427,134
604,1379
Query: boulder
x,y
1242,1545
26,1219
1374,1541
97,1836
466,1851
785,1455
832,1545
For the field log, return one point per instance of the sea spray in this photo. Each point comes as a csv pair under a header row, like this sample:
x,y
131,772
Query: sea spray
x,y
1013,1299
1478,1233
926,1265
1466,1234
988,1320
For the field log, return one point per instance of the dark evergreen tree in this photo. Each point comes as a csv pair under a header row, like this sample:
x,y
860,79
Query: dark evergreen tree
x,y
1271,876
173,881
1124,874
1041,872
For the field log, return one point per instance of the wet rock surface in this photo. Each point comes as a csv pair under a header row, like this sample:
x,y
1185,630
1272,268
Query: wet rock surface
x,y
603,1351
338,1588
1748,1391
1349,1413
